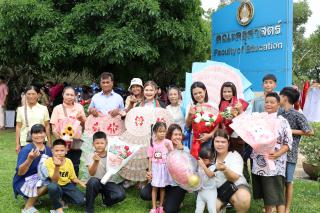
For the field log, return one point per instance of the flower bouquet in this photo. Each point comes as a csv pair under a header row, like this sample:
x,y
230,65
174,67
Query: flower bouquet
x,y
182,169
69,129
204,120
228,111
118,155
259,130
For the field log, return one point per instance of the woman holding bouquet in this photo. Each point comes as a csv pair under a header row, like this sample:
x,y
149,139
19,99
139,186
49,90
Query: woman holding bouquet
x,y
69,109
203,117
231,106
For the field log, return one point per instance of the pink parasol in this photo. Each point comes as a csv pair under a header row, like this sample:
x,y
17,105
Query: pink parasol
x,y
113,125
214,76
94,124
138,121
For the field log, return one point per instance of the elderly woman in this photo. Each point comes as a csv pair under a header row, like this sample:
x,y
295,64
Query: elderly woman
x,y
29,158
269,184
175,107
174,193
28,115
69,109
232,186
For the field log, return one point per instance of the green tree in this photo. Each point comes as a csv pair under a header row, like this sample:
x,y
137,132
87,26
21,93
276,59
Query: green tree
x,y
52,39
130,38
301,53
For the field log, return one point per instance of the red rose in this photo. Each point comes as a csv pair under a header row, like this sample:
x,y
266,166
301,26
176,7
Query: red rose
x,y
129,153
126,148
210,115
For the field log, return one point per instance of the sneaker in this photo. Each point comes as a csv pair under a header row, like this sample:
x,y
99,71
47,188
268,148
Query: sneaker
x,y
54,211
153,211
127,184
64,204
160,209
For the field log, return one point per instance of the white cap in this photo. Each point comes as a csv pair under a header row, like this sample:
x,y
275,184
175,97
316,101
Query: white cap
x,y
135,81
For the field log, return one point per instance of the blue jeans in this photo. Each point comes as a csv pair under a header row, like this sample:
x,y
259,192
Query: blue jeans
x,y
69,191
291,167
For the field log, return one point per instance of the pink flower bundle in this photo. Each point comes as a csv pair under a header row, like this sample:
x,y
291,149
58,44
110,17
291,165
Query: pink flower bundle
x,y
118,155
69,128
259,130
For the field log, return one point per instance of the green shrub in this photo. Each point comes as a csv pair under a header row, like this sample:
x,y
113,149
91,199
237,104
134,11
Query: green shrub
x,y
310,146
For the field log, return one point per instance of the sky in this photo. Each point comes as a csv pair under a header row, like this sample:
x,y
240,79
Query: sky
x,y
311,25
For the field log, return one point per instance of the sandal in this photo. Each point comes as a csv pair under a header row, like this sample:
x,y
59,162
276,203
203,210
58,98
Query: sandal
x,y
30,210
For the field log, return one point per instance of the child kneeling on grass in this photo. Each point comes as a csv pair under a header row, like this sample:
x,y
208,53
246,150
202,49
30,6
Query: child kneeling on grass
x,y
63,178
112,193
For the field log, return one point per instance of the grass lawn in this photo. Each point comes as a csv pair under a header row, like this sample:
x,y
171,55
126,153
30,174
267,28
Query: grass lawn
x,y
306,195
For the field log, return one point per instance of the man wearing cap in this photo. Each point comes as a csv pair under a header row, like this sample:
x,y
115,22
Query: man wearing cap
x,y
136,91
106,101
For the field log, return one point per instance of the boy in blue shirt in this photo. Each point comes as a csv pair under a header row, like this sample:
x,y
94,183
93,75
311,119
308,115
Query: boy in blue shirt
x,y
269,84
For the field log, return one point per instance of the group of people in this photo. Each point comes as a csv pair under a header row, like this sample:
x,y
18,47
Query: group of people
x,y
221,154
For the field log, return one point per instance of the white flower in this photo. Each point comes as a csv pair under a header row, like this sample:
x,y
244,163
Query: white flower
x,y
208,124
197,119
206,117
198,114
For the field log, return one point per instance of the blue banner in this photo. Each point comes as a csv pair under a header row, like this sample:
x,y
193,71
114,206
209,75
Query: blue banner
x,y
256,38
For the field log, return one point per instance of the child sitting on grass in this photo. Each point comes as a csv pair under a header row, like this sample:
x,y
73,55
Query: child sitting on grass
x,y
63,178
111,192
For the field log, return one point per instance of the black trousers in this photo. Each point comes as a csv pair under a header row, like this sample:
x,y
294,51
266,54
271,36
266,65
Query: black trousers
x,y
112,193
74,155
173,199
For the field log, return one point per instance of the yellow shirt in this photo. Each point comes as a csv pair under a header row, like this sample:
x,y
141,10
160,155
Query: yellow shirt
x,y
67,173
38,114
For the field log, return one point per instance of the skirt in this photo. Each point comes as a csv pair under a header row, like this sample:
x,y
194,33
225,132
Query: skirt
x,y
160,175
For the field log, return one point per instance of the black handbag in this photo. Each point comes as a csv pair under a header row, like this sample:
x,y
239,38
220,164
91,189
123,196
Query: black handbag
x,y
226,190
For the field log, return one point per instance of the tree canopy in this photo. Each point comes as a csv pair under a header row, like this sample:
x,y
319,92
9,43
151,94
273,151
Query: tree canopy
x,y
129,38
306,54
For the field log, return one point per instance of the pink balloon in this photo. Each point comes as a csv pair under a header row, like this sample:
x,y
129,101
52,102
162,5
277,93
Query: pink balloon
x,y
181,167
